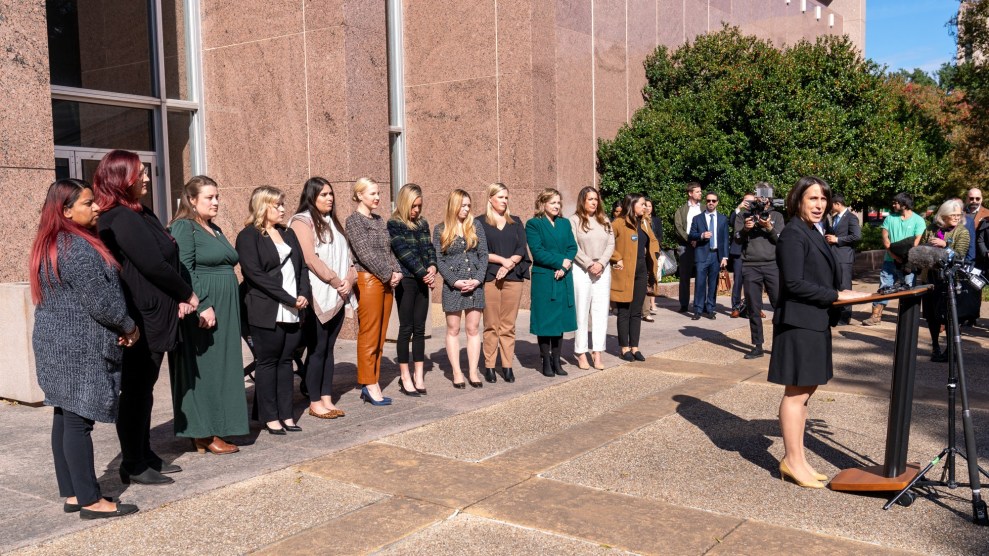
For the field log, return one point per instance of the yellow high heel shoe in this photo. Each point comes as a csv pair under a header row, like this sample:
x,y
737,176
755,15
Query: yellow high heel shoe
x,y
785,473
819,476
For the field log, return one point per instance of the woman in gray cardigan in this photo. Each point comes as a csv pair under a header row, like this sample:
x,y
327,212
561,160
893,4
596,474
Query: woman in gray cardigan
x,y
80,324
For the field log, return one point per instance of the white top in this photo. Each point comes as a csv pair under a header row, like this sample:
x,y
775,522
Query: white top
x,y
285,313
335,254
712,226
692,211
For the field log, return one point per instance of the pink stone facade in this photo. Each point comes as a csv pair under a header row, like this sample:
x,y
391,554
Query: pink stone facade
x,y
517,91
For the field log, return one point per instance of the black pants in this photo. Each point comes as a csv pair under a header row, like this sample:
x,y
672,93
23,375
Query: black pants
x,y
137,385
549,346
413,303
72,447
735,261
758,278
273,374
630,314
685,268
319,355
846,284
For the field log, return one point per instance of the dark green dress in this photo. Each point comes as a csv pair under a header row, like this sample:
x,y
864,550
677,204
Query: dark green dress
x,y
208,370
552,305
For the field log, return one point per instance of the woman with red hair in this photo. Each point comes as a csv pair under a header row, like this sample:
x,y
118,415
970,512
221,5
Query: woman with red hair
x,y
157,296
80,324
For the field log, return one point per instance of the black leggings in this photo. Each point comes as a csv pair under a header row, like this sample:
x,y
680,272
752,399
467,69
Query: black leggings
x,y
137,386
319,355
549,346
630,314
413,304
273,373
72,447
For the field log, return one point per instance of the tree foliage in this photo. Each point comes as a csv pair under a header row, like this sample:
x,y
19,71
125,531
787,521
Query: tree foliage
x,y
730,110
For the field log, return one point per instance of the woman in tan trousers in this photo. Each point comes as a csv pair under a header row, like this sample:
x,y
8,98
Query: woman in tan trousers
x,y
377,275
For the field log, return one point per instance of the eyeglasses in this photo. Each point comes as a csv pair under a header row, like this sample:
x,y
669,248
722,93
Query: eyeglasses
x,y
958,215
712,200
975,198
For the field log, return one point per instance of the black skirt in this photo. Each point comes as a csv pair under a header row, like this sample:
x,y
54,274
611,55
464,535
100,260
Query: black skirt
x,y
800,357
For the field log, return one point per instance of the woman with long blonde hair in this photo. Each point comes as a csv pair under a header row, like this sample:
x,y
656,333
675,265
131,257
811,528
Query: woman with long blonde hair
x,y
508,268
377,275
592,275
553,249
412,246
276,289
462,259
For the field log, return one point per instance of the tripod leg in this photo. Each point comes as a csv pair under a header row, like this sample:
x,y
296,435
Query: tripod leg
x,y
919,476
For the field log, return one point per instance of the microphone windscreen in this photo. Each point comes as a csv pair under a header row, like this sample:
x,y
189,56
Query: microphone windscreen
x,y
926,256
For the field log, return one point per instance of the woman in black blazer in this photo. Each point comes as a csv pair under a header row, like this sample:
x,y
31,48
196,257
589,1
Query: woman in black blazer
x,y
157,297
276,288
810,284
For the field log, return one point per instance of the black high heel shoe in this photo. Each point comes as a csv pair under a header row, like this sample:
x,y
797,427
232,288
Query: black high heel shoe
x,y
274,431
548,368
490,376
401,388
509,375
292,428
473,384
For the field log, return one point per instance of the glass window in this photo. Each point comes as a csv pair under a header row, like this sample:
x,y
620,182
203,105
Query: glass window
x,y
104,46
179,154
174,24
101,126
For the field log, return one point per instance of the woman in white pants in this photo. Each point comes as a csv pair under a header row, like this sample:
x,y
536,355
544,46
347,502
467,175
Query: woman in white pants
x,y
592,274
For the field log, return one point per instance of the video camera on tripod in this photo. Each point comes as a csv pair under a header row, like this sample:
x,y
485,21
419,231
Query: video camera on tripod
x,y
945,262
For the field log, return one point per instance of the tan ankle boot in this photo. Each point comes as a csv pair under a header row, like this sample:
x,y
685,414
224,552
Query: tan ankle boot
x,y
876,318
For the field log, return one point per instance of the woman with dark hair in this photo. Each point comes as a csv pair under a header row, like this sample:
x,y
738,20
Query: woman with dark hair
x,y
157,297
947,231
276,289
378,273
462,260
508,268
592,277
810,281
207,369
553,249
331,277
80,322
633,270
412,246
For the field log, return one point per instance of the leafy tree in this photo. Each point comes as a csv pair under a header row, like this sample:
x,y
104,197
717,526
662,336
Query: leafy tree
x,y
917,76
730,110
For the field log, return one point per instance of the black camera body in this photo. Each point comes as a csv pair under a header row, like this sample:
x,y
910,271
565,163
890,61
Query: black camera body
x,y
757,209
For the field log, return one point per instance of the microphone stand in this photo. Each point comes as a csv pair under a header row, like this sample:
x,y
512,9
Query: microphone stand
x,y
956,382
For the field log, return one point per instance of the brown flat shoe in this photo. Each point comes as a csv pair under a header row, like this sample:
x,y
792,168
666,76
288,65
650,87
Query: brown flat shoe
x,y
328,415
338,412
735,314
215,445
762,315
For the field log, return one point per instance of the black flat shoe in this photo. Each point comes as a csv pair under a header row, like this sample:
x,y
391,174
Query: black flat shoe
x,y
147,477
509,375
696,316
628,356
638,356
73,508
755,353
490,376
401,388
292,428
277,432
122,509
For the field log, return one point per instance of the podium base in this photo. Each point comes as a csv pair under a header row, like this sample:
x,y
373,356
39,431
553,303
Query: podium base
x,y
871,479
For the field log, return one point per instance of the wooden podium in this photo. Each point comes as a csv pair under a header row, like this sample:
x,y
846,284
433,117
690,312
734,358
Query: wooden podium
x,y
895,473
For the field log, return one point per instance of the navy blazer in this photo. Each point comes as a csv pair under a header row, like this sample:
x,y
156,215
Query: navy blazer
x,y
699,226
259,263
849,232
809,279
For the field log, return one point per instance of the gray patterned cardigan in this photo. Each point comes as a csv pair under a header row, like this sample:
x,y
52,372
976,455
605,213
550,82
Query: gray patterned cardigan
x,y
76,326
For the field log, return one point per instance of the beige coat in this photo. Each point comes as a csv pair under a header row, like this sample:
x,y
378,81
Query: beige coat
x,y
623,280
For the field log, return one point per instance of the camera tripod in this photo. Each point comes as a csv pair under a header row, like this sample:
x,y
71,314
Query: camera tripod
x,y
956,385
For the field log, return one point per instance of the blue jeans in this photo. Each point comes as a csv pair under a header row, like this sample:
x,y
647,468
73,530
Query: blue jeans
x,y
706,285
889,275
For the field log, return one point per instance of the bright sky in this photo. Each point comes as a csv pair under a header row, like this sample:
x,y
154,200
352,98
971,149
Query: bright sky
x,y
907,34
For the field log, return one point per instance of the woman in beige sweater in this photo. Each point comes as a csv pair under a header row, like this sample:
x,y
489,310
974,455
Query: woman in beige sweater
x,y
592,274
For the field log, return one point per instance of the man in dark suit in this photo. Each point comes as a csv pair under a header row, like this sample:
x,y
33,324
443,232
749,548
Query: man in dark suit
x,y
709,234
843,232
735,256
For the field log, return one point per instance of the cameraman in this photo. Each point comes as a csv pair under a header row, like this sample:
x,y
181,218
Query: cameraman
x,y
758,227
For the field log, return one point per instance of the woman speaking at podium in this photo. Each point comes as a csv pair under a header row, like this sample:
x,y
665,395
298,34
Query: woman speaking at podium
x,y
809,285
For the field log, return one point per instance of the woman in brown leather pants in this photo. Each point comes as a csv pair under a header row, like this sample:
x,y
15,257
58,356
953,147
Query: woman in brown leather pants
x,y
377,274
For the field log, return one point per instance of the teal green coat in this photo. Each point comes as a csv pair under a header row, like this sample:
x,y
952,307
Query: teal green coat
x,y
552,307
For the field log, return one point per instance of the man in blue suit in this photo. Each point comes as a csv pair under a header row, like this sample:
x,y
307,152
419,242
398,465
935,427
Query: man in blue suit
x,y
709,236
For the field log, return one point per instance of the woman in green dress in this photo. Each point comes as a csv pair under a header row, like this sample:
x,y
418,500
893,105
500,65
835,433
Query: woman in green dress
x,y
207,368
553,249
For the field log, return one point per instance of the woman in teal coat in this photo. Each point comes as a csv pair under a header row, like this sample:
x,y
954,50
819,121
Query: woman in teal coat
x,y
553,249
